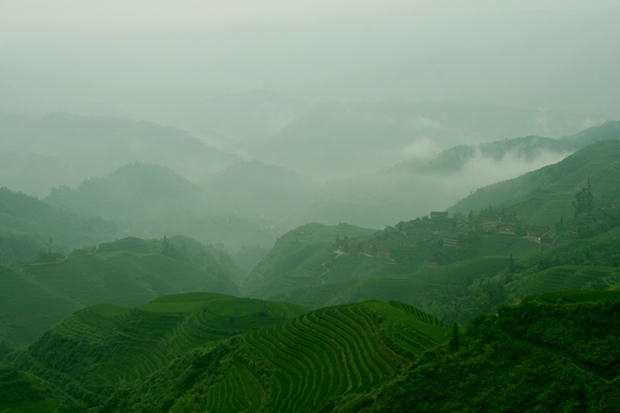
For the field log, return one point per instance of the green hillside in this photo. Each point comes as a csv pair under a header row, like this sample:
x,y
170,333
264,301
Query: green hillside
x,y
101,347
293,366
39,153
342,138
153,201
27,309
19,246
552,352
22,215
456,292
24,393
526,148
537,356
128,272
546,194
436,291
563,277
306,256
374,198
577,296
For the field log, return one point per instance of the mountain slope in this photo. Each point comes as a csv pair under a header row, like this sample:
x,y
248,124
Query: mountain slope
x,y
553,187
63,149
102,347
27,309
292,366
304,257
153,201
333,139
26,215
129,272
412,188
537,356
23,392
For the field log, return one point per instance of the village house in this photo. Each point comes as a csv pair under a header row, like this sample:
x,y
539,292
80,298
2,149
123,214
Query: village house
x,y
489,226
439,214
353,247
452,240
510,226
418,234
370,249
384,248
536,231
488,216
548,239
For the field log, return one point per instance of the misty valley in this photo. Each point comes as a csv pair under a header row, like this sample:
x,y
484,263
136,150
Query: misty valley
x,y
287,260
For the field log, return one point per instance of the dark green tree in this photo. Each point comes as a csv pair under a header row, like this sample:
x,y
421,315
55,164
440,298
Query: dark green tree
x,y
454,338
584,199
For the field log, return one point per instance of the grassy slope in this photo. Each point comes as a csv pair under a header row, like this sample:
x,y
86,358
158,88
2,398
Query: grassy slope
x,y
127,272
27,308
537,356
302,272
304,257
152,201
460,291
24,393
564,277
546,194
19,247
432,290
304,268
579,264
22,214
104,346
291,366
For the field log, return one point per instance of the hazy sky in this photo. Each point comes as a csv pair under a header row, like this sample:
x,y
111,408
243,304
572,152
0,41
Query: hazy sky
x,y
530,54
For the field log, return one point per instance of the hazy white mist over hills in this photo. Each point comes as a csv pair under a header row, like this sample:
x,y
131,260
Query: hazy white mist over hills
x,y
124,56
309,111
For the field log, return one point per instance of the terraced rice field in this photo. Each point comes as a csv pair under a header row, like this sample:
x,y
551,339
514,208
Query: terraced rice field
x,y
415,288
139,341
324,354
561,278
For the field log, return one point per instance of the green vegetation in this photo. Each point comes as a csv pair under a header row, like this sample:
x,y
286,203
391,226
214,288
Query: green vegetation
x,y
27,309
509,263
24,393
28,226
577,296
506,245
537,356
99,348
129,272
547,194
304,257
152,201
564,277
19,247
299,364
207,351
